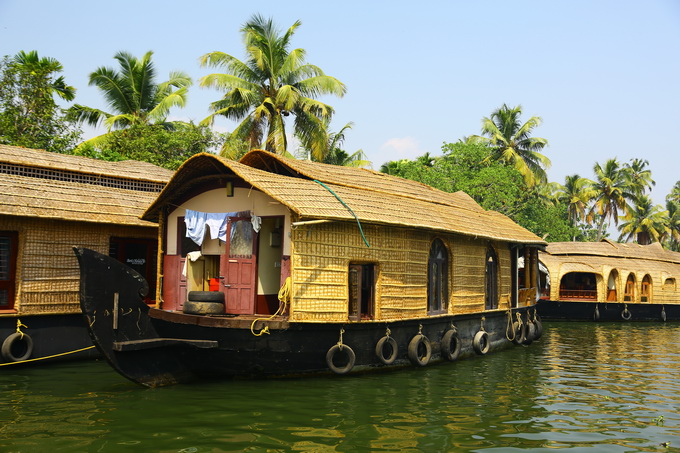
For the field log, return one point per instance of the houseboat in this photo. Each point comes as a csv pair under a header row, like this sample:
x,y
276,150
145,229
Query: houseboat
x,y
273,266
48,203
608,281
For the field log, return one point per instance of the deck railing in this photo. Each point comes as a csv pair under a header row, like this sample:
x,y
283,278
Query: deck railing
x,y
578,294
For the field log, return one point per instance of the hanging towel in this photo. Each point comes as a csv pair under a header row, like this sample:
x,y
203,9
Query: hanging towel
x,y
217,222
193,256
257,222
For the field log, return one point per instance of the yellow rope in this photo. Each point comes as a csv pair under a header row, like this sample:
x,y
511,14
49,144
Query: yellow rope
x,y
48,357
19,326
284,298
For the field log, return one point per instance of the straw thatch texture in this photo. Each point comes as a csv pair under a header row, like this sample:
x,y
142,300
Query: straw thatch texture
x,y
323,252
127,169
603,258
391,205
47,270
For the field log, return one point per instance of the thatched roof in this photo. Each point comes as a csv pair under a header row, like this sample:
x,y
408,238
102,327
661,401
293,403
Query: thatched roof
x,y
127,169
374,197
611,249
35,183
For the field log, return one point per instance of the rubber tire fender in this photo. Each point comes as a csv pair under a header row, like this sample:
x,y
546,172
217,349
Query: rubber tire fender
x,y
520,332
206,296
380,349
480,343
529,332
414,350
449,353
203,308
6,350
351,358
539,329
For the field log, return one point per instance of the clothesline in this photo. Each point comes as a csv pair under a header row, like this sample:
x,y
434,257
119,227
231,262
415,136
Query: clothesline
x,y
196,223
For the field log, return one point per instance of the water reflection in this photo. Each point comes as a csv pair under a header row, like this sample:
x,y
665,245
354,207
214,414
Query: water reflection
x,y
585,387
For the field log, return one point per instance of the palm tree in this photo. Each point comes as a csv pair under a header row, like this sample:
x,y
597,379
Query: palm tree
x,y
611,191
675,193
511,143
273,83
673,224
31,63
638,176
576,193
644,221
133,95
333,154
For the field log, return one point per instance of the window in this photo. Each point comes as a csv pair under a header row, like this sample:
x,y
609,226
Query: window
x,y
646,289
140,255
491,280
629,293
437,278
8,261
612,283
578,286
361,291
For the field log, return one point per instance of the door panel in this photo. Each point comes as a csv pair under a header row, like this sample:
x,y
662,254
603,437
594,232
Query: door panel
x,y
239,267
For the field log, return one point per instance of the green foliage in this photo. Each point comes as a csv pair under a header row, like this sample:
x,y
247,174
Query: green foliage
x,y
494,185
154,144
29,115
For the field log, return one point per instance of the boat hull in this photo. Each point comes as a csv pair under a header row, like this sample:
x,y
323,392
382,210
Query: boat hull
x,y
154,347
606,311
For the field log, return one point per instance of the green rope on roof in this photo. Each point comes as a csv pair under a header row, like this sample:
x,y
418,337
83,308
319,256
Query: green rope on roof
x,y
348,208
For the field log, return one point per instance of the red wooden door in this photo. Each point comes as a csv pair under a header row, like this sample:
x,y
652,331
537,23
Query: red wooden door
x,y
238,267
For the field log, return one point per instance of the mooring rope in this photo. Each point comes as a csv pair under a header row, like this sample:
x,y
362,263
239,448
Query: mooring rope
x,y
47,357
361,230
284,297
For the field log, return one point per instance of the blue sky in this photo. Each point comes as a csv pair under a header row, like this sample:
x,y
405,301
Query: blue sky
x,y
604,75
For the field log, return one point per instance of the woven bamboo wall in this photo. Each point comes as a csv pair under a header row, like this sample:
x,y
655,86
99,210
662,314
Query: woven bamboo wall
x,y
321,255
47,278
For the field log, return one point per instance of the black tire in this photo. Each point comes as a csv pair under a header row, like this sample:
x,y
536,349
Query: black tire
x,y
414,354
450,345
539,329
529,332
520,332
330,357
380,350
206,296
203,308
17,347
481,343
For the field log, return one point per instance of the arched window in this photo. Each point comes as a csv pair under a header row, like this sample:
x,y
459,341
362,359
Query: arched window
x,y
437,278
646,289
629,293
612,285
491,279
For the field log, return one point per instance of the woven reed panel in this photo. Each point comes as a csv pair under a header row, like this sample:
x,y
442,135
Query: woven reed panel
x,y
322,253
48,276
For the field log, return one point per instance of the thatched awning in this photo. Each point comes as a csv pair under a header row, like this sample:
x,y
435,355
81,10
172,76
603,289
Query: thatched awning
x,y
35,183
611,249
375,198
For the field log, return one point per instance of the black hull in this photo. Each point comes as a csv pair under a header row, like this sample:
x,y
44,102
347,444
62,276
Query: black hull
x,y
53,338
606,312
155,347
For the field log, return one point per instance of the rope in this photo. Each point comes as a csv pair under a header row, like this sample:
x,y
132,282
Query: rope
x,y
509,328
284,298
348,208
45,358
19,326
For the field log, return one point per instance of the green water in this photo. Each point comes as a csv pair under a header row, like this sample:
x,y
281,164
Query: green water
x,y
584,387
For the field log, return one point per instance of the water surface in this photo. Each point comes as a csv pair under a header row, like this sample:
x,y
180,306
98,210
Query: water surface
x,y
582,387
